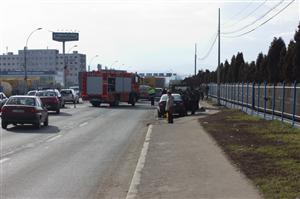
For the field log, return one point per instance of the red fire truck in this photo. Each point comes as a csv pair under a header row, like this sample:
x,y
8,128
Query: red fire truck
x,y
109,86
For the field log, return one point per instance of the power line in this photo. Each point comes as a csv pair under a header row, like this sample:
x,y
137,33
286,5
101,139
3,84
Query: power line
x,y
210,49
261,17
248,15
234,36
240,12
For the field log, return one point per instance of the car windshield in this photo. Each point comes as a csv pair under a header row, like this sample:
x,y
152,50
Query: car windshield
x,y
46,93
21,101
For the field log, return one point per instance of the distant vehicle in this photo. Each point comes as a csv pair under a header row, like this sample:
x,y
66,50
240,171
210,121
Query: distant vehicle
x,y
32,93
3,99
50,100
144,94
179,107
109,86
69,95
24,110
76,89
158,93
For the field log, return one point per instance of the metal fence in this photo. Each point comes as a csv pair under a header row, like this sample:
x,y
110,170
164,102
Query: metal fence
x,y
273,101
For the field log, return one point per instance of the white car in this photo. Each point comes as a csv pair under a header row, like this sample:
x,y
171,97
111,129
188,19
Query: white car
x,y
69,95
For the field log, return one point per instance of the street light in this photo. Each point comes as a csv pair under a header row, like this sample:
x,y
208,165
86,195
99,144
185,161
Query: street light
x,y
72,48
114,63
89,67
25,58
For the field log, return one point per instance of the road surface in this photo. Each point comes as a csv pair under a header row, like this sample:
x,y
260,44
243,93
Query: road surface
x,y
86,152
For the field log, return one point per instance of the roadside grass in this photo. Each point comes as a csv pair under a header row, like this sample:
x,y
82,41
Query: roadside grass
x,y
267,152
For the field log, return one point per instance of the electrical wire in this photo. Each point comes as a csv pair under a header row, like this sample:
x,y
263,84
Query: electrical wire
x,y
210,49
240,12
239,35
248,15
256,20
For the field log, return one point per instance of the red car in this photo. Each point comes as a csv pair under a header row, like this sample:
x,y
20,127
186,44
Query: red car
x,y
24,110
50,100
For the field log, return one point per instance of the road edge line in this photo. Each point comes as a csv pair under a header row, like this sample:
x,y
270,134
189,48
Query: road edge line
x,y
132,192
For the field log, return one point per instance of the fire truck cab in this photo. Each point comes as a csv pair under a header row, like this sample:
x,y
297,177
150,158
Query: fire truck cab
x,y
109,86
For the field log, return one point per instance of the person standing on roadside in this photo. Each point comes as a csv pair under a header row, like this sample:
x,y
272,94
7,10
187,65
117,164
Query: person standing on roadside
x,y
169,106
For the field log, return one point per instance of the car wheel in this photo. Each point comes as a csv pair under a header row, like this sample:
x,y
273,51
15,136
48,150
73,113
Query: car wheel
x,y
46,122
4,125
57,111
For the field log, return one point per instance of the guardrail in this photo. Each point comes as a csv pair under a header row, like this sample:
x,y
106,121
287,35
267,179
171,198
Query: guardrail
x,y
273,100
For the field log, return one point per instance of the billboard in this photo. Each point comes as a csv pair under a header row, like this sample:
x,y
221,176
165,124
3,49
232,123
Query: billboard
x,y
65,36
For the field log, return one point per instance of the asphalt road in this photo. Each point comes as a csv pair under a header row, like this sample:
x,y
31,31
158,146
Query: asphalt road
x,y
86,152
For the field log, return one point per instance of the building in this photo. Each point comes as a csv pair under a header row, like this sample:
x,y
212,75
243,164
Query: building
x,y
44,60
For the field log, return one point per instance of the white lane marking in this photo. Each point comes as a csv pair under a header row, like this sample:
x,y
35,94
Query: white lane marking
x,y
54,138
132,192
83,124
3,160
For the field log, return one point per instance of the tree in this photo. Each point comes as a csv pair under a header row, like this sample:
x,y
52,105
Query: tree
x,y
276,49
288,65
296,61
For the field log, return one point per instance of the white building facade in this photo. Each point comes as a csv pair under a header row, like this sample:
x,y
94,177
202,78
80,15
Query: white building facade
x,y
45,60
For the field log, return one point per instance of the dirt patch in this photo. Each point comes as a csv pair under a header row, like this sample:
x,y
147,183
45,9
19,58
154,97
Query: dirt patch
x,y
266,151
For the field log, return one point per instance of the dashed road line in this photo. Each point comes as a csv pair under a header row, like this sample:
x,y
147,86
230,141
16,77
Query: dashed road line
x,y
83,124
132,192
54,138
4,160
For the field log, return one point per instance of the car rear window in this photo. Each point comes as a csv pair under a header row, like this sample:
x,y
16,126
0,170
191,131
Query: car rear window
x,y
177,97
21,101
46,93
31,93
65,92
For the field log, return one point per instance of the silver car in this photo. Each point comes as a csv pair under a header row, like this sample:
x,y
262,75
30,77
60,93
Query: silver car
x,y
69,95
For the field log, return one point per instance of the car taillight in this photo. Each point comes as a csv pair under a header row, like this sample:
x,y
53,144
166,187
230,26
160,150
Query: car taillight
x,y
4,109
33,110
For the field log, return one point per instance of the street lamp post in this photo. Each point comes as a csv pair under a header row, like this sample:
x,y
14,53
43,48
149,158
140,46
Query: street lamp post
x,y
25,59
89,67
114,63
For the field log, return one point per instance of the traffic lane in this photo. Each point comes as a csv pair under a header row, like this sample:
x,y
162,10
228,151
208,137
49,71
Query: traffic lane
x,y
75,161
21,137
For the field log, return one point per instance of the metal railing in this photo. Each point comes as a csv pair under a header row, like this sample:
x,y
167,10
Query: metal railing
x,y
271,100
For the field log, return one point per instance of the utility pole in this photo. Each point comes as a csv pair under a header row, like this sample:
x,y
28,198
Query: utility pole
x,y
219,57
195,59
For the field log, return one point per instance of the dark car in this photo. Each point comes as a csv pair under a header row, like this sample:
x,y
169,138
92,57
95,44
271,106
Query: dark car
x,y
179,107
3,99
50,100
24,110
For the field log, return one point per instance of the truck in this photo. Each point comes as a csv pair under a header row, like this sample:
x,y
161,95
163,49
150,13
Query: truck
x,y
109,86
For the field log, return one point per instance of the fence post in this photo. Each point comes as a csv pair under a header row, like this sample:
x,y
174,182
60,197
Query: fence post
x,y
253,98
283,99
265,99
273,101
242,96
226,91
238,97
294,102
247,100
258,98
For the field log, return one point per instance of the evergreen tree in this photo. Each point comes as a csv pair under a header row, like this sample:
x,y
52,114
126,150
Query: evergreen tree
x,y
296,61
277,47
288,63
239,67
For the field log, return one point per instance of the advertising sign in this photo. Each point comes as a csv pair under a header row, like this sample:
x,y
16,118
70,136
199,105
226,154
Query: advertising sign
x,y
65,36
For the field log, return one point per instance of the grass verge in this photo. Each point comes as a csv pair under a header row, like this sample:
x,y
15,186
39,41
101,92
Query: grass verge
x,y
267,152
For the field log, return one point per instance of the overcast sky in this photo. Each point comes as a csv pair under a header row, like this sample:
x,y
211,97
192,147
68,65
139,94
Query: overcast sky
x,y
145,35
